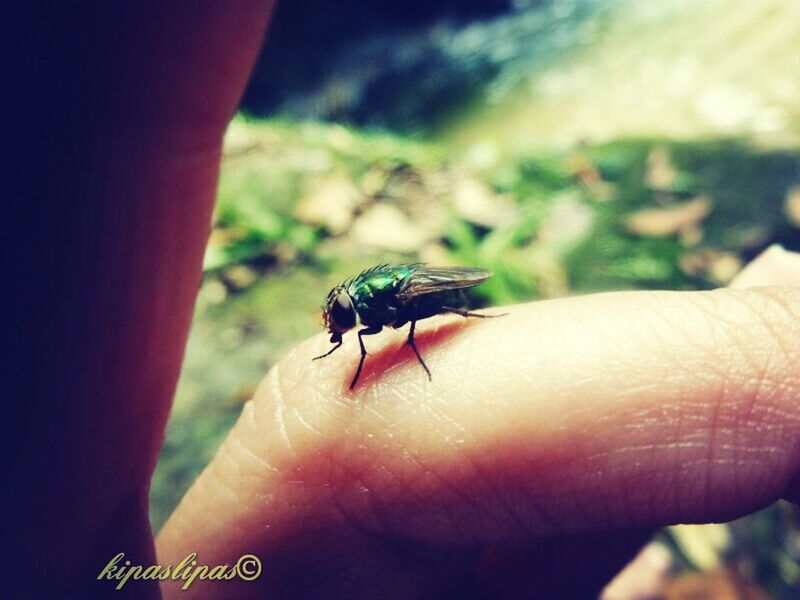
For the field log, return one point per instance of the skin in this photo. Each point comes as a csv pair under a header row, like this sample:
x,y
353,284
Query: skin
x,y
568,426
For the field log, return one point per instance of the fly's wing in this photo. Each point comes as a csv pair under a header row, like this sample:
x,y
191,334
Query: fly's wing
x,y
426,280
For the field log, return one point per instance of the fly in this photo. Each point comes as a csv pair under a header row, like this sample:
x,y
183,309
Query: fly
x,y
393,295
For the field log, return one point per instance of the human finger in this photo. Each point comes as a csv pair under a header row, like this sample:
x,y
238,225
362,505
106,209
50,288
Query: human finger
x,y
611,411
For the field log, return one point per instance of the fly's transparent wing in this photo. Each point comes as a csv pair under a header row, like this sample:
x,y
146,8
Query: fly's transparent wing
x,y
426,280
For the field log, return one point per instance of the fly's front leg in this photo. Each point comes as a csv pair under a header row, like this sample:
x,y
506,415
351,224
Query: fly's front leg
x,y
410,342
361,333
328,353
336,338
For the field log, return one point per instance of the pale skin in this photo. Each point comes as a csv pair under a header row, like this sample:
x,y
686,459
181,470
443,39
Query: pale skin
x,y
591,421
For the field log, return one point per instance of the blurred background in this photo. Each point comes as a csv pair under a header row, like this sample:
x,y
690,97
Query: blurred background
x,y
570,146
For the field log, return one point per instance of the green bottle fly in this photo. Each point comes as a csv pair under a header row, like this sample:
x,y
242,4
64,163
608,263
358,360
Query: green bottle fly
x,y
393,295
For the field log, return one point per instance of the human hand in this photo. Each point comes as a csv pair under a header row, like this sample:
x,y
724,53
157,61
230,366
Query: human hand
x,y
547,448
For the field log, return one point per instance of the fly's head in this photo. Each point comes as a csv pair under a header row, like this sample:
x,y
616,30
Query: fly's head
x,y
339,313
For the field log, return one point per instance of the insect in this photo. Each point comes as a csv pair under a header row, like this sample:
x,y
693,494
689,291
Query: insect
x,y
393,295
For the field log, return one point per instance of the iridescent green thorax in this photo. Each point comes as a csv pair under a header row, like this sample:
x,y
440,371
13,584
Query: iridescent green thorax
x,y
380,280
374,292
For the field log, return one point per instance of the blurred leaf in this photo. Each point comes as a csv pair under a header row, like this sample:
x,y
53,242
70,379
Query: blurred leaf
x,y
669,220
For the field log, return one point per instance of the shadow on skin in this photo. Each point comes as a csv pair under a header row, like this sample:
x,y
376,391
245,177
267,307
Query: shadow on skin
x,y
389,351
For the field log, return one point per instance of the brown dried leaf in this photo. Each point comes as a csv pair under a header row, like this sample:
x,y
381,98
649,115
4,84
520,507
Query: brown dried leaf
x,y
719,266
659,222
590,178
386,227
644,577
716,585
331,205
239,276
473,201
660,173
568,221
793,205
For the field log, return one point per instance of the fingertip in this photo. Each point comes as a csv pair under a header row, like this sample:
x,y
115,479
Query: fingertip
x,y
774,266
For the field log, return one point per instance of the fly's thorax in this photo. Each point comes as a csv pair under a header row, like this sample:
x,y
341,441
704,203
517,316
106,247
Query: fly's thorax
x,y
374,295
376,284
375,307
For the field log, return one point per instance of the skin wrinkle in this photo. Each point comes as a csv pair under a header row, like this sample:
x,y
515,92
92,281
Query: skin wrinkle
x,y
667,447
296,413
766,301
531,504
423,559
427,469
455,490
662,331
394,475
716,404
765,385
381,528
650,481
358,524
725,379
622,491
225,478
651,449
695,488
238,441
280,408
712,442
706,306
748,419
675,361
602,510
568,477
578,507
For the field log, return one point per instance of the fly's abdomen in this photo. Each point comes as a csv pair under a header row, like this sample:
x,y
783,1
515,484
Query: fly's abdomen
x,y
431,304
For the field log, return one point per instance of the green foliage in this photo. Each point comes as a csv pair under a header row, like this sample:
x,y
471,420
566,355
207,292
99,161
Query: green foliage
x,y
270,167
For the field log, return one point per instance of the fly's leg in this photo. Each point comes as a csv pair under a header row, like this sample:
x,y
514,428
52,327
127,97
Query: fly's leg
x,y
466,313
361,333
336,338
410,342
329,352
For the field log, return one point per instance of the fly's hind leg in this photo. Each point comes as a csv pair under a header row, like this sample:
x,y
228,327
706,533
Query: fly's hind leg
x,y
410,341
466,313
